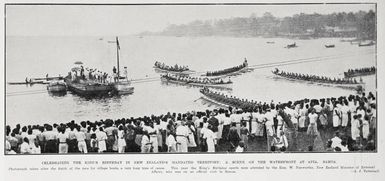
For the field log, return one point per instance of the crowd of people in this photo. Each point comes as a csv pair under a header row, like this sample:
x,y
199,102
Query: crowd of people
x,y
228,70
78,74
359,72
196,80
175,68
352,118
355,115
315,78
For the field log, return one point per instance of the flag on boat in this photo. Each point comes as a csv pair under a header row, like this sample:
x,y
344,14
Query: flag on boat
x,y
117,43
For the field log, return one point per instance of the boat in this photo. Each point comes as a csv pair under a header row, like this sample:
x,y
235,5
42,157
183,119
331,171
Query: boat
x,y
80,86
28,83
186,72
122,85
221,85
333,84
57,86
89,88
270,42
366,44
294,45
123,88
229,71
162,68
330,46
360,72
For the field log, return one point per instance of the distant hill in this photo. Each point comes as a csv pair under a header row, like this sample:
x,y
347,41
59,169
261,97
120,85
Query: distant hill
x,y
361,25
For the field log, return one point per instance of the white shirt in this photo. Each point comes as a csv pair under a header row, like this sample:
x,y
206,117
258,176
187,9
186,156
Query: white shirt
x,y
313,118
171,140
25,148
336,142
182,131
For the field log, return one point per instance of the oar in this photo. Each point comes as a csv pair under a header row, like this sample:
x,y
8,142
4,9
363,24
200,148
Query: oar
x,y
197,99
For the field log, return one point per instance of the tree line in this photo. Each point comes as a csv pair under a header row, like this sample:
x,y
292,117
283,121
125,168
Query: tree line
x,y
361,25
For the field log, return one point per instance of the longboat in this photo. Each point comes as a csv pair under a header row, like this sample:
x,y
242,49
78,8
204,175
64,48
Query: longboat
x,y
224,85
228,74
366,44
159,69
330,46
27,83
340,85
357,74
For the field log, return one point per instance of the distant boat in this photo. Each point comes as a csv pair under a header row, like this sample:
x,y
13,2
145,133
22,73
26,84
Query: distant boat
x,y
27,83
270,42
366,44
294,45
330,46
57,86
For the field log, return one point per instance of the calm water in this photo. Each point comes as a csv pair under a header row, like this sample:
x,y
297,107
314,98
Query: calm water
x,y
37,56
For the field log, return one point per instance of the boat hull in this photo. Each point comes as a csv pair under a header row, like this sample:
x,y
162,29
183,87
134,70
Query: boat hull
x,y
187,72
85,89
123,88
57,88
345,86
220,86
241,71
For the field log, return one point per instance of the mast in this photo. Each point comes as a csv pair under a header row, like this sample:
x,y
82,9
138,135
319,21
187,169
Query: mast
x,y
117,56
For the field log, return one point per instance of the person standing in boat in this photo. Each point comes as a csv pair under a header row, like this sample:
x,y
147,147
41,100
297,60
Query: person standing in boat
x,y
114,74
125,73
245,63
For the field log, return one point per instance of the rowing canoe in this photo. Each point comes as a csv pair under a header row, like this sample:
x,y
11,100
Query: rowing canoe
x,y
345,86
226,85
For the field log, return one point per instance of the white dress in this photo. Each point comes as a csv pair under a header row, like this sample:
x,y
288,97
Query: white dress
x,y
210,140
302,118
345,118
101,136
355,129
171,143
121,141
365,129
191,138
336,118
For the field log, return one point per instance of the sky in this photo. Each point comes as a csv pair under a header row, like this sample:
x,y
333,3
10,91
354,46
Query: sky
x,y
111,20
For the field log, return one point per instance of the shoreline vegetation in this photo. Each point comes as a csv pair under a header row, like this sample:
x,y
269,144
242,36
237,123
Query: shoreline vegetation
x,y
359,26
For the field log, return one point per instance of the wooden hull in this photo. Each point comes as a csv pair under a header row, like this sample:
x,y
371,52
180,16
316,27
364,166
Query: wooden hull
x,y
57,87
85,89
365,45
345,86
241,71
360,74
221,86
123,88
187,72
27,83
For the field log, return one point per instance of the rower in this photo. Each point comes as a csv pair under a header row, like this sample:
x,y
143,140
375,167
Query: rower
x,y
26,80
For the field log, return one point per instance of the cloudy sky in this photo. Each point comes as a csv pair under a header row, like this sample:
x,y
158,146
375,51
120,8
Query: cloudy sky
x,y
106,20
